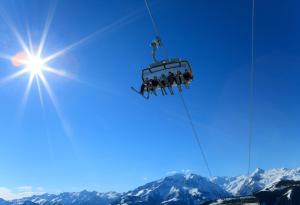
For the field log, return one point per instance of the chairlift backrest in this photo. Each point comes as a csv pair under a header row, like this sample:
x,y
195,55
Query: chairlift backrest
x,y
164,67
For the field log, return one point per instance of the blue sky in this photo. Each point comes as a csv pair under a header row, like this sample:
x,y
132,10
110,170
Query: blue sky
x,y
108,138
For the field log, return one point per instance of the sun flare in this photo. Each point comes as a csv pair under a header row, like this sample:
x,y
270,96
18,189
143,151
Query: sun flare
x,y
34,65
31,63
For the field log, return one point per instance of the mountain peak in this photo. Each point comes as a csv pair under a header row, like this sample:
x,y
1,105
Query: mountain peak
x,y
184,176
258,171
179,188
258,180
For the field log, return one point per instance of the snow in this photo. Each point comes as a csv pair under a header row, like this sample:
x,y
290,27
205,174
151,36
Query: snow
x,y
194,192
189,176
173,190
68,198
170,200
39,201
178,187
258,180
289,193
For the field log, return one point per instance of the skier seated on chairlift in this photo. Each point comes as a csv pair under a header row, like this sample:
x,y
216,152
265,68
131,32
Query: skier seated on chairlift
x,y
187,77
162,84
155,84
166,83
178,80
151,87
171,80
144,87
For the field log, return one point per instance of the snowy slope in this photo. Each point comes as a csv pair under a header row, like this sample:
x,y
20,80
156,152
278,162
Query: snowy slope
x,y
3,202
72,198
258,180
281,193
176,189
184,189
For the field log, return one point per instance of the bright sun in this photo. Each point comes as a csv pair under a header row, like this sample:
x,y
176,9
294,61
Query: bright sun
x,y
31,60
34,65
30,63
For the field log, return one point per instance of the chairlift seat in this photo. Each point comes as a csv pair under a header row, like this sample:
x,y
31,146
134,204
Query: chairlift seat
x,y
164,67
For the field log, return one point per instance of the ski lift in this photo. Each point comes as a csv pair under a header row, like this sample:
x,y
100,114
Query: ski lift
x,y
163,68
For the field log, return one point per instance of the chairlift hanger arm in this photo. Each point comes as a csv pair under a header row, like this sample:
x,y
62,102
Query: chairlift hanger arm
x,y
155,44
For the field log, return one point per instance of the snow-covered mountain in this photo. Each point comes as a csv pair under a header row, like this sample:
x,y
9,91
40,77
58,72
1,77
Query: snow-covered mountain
x,y
184,189
258,180
281,193
3,202
71,198
176,189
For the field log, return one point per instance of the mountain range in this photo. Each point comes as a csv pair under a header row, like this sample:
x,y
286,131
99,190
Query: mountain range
x,y
184,189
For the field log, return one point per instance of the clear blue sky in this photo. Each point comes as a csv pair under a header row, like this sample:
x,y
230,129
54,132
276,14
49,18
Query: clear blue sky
x,y
115,140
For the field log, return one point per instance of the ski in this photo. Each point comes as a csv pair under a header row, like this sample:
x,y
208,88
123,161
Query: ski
x,y
135,90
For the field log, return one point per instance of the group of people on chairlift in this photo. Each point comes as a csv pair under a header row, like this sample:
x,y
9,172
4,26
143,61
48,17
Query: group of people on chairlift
x,y
163,82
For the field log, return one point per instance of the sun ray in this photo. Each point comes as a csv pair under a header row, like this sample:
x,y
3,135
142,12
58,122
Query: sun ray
x,y
30,45
57,72
39,91
31,59
5,56
31,62
49,90
21,41
67,48
13,76
27,91
102,30
14,30
46,29
67,75
55,104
